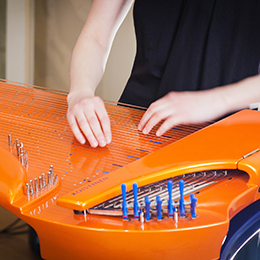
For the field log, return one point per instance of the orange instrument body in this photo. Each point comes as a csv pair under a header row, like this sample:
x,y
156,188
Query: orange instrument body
x,y
88,176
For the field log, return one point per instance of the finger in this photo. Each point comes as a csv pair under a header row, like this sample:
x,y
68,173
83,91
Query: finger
x,y
168,124
85,128
75,129
153,109
104,122
156,118
95,127
145,118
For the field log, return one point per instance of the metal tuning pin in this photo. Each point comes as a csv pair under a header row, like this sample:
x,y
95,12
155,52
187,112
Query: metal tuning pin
x,y
43,181
147,208
49,178
21,148
55,179
142,216
31,188
10,140
21,154
26,160
124,205
181,201
136,207
159,208
170,204
176,216
36,187
193,204
40,183
18,147
27,190
51,175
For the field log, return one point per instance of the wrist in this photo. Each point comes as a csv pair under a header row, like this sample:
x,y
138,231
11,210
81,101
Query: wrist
x,y
239,95
77,95
230,97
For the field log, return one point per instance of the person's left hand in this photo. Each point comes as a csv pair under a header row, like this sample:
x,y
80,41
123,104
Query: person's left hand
x,y
182,108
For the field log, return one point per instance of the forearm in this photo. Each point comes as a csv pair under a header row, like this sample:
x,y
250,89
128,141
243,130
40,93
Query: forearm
x,y
87,66
239,95
93,46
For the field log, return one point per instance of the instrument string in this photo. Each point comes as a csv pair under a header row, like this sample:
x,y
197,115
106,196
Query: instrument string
x,y
138,113
38,119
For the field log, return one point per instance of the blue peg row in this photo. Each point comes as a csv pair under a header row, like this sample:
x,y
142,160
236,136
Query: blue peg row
x,y
170,203
124,205
136,206
171,208
181,201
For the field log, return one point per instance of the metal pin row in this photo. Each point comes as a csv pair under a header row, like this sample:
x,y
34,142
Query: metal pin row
x,y
143,216
22,155
41,184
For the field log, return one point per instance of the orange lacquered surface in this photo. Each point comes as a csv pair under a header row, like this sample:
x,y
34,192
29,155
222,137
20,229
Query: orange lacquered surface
x,y
38,119
212,148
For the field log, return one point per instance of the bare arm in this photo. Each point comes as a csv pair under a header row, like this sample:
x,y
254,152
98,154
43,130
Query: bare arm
x,y
194,107
86,114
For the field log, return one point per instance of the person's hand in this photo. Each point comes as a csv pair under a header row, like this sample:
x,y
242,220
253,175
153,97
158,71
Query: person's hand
x,y
88,119
182,108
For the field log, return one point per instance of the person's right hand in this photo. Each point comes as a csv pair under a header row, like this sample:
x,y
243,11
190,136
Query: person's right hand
x,y
88,119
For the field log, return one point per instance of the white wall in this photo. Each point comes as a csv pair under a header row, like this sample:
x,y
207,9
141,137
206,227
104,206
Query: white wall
x,y
19,40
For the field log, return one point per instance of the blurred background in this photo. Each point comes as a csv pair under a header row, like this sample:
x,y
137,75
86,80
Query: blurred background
x,y
36,42
37,38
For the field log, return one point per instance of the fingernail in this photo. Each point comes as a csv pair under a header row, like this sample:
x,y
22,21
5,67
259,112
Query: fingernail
x,y
81,140
145,131
94,144
108,140
102,143
139,127
158,133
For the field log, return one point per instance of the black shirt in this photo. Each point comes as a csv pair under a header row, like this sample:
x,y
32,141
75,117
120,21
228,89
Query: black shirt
x,y
189,45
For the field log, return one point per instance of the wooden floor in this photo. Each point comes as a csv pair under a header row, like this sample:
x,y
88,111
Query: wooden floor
x,y
13,247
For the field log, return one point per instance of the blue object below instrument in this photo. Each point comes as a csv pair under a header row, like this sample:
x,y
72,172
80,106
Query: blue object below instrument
x,y
242,241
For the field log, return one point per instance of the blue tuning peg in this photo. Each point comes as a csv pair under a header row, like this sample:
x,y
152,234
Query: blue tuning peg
x,y
181,201
159,208
193,204
170,205
147,208
136,207
124,205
